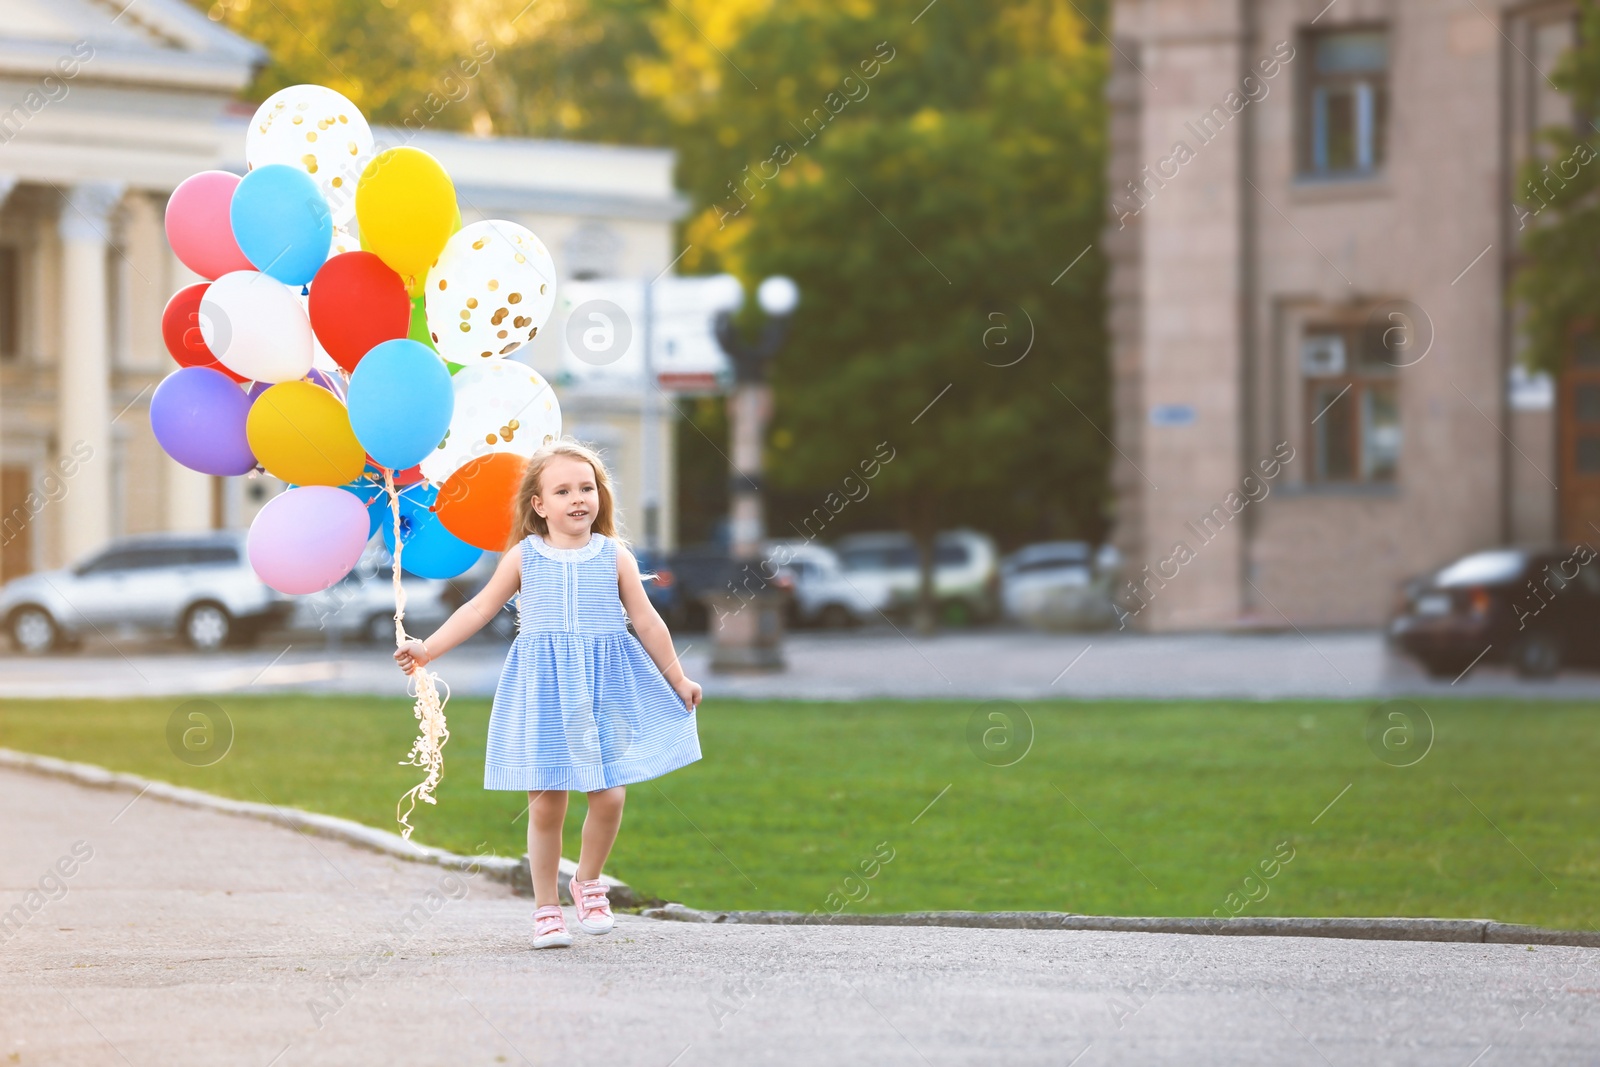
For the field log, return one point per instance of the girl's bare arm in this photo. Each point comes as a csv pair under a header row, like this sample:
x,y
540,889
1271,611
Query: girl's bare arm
x,y
653,633
469,618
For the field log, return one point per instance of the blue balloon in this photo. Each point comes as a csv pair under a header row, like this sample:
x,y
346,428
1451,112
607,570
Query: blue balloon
x,y
376,501
400,402
428,550
282,223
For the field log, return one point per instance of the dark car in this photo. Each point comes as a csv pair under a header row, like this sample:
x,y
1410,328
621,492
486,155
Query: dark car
x,y
662,589
1535,609
701,572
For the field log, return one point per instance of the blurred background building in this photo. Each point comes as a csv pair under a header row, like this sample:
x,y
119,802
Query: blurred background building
x,y
1314,219
1312,231
114,106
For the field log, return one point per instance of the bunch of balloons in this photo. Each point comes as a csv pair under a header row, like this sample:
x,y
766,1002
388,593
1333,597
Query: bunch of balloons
x,y
343,362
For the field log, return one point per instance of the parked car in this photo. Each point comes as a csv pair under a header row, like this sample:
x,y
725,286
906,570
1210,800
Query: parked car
x,y
199,586
661,585
701,572
1536,609
361,604
1059,585
823,594
698,571
884,566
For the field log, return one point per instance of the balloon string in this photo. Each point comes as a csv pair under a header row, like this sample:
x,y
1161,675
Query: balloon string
x,y
427,749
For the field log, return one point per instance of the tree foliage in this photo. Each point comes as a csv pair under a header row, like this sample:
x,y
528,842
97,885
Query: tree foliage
x,y
926,177
557,68
926,184
1559,214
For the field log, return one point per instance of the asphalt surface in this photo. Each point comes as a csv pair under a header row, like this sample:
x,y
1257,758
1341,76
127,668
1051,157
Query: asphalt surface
x,y
179,936
881,662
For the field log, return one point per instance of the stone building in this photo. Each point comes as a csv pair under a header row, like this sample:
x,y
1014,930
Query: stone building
x,y
1312,229
104,109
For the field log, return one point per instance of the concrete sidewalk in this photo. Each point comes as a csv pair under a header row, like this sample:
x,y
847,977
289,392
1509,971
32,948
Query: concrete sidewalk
x,y
966,665
145,933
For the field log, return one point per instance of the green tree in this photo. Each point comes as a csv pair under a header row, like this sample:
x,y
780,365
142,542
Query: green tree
x,y
1559,214
928,212
926,173
497,66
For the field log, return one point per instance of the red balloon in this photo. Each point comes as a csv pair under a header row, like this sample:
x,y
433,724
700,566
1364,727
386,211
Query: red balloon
x,y
405,477
180,328
357,302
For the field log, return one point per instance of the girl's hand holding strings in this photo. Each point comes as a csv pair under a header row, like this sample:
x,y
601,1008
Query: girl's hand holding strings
x,y
413,654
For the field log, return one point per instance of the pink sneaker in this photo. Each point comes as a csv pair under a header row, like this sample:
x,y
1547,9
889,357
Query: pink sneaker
x,y
594,909
550,928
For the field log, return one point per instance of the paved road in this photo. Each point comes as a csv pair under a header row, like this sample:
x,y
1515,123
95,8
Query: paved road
x,y
188,937
830,666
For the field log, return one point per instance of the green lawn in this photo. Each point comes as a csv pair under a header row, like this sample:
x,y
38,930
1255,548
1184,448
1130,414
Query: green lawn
x,y
793,797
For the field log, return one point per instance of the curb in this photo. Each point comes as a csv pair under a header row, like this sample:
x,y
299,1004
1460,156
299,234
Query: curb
x,y
513,872
1475,931
510,871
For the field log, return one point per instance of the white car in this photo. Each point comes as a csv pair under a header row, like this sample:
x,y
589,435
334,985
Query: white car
x,y
823,594
199,586
1059,585
361,604
884,567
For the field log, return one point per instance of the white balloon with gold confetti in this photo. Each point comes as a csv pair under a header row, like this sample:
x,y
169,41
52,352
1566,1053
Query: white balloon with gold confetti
x,y
321,132
343,241
500,406
490,290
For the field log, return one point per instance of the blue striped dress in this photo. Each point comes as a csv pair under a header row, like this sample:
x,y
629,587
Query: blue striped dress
x,y
580,704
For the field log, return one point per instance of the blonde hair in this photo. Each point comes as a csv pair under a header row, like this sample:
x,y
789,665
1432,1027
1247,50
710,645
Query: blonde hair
x,y
525,520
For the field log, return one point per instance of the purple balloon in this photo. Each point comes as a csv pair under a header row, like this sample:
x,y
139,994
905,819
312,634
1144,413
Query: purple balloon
x,y
306,539
331,382
314,376
198,415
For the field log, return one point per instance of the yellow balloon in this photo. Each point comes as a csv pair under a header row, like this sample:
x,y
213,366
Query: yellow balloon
x,y
415,286
301,433
406,207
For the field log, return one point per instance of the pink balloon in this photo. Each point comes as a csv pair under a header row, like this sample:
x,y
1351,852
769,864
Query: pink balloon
x,y
306,539
198,226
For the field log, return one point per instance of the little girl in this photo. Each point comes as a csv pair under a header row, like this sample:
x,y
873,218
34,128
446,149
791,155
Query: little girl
x,y
579,706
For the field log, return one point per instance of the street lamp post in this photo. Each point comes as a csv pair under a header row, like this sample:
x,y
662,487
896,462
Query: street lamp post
x,y
747,614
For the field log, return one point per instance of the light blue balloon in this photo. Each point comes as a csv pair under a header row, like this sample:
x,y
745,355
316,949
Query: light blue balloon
x,y
376,501
428,549
282,223
400,402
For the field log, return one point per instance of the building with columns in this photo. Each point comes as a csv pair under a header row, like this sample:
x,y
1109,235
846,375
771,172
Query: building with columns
x,y
1312,228
104,109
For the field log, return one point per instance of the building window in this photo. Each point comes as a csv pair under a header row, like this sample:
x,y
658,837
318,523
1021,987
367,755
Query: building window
x,y
593,251
1345,112
1549,40
1352,405
1580,415
10,303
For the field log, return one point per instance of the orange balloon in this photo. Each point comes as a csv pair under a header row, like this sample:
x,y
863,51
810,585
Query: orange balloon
x,y
477,502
